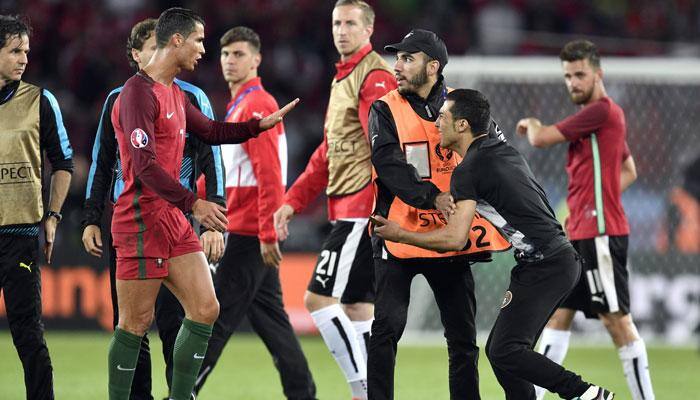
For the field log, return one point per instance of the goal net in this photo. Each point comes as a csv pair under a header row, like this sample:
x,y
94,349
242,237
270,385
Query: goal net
x,y
661,100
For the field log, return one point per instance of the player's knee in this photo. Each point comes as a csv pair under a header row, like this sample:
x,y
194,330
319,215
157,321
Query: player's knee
x,y
208,311
136,324
561,319
314,302
620,327
359,311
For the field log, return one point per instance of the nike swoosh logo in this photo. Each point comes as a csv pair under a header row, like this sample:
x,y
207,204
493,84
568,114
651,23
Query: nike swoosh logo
x,y
198,357
27,266
170,114
119,367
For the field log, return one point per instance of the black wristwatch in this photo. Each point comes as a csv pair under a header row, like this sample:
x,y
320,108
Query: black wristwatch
x,y
54,214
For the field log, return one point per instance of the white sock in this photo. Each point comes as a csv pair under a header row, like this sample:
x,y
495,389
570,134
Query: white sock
x,y
554,344
363,329
340,337
636,367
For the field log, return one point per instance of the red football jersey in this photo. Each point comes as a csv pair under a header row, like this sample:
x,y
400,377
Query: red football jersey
x,y
597,135
149,122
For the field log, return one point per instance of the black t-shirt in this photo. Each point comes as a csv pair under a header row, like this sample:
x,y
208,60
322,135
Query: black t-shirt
x,y
496,176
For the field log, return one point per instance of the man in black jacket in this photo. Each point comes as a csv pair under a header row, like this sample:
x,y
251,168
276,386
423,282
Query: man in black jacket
x,y
495,179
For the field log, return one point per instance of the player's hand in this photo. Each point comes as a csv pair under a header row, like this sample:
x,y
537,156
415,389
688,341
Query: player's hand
x,y
445,203
276,117
388,230
271,254
281,220
521,126
213,245
210,215
92,240
50,224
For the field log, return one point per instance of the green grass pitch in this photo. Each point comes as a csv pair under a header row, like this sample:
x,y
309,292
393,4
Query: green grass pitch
x,y
245,370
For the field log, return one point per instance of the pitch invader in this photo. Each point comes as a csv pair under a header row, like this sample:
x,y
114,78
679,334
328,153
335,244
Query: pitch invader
x,y
495,179
600,167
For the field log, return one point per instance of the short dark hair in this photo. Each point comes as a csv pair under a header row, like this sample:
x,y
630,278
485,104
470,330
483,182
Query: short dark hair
x,y
241,34
473,106
581,50
13,25
141,32
175,20
367,10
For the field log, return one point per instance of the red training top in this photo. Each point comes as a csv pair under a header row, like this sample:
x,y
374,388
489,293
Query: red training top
x,y
256,171
150,121
598,147
314,179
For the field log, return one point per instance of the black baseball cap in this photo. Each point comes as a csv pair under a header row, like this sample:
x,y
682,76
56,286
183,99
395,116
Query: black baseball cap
x,y
422,40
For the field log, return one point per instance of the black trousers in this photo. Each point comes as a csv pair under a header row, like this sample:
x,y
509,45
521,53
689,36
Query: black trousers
x,y
535,291
453,287
168,315
20,281
246,286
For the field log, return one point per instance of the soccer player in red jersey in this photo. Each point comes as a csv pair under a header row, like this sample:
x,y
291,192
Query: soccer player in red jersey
x,y
600,167
155,244
340,295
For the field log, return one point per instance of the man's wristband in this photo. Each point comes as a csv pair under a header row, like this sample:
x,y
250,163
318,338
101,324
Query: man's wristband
x,y
54,214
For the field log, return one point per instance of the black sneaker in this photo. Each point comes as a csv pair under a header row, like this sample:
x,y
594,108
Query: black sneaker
x,y
598,393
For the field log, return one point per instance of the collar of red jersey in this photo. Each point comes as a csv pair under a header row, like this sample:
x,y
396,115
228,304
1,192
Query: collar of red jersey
x,y
344,68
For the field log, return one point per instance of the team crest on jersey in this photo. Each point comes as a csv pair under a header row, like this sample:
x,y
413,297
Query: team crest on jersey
x,y
139,138
507,298
438,152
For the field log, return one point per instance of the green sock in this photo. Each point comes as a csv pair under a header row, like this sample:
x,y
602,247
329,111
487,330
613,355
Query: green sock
x,y
123,355
188,354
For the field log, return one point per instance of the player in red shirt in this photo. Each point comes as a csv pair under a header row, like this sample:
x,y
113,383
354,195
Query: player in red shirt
x,y
247,280
155,244
340,166
600,167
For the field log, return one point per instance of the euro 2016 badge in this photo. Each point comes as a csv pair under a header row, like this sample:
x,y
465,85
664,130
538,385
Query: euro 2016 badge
x,y
139,138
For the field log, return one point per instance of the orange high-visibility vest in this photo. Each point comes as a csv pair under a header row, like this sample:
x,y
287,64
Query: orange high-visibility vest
x,y
420,141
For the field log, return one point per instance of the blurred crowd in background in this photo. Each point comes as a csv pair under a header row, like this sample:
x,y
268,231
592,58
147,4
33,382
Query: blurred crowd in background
x,y
78,52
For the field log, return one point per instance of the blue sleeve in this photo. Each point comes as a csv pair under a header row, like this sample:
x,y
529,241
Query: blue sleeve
x,y
53,135
104,157
209,159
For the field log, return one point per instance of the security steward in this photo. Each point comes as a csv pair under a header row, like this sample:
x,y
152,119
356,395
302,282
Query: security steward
x,y
30,125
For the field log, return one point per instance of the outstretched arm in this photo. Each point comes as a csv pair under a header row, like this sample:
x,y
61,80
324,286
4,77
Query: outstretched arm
x,y
452,237
217,132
